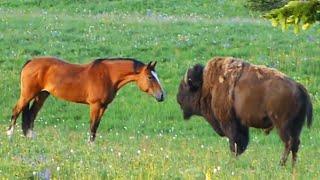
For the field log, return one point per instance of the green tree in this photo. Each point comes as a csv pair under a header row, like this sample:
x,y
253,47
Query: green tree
x,y
265,5
299,14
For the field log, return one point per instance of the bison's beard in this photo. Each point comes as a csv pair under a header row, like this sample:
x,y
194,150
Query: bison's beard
x,y
187,114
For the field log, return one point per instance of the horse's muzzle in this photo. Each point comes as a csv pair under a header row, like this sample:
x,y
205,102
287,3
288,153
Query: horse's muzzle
x,y
160,96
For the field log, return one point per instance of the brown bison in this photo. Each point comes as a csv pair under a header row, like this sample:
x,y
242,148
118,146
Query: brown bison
x,y
233,95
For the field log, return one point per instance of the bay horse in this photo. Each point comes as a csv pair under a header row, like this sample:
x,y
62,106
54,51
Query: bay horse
x,y
95,84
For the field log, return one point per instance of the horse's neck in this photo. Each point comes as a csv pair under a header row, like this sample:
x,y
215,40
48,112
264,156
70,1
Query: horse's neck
x,y
125,80
122,74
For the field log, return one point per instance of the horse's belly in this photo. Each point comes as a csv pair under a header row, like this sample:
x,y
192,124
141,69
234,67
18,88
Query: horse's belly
x,y
73,94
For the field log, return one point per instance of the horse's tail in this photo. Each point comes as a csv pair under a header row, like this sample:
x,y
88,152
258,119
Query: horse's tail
x,y
307,103
25,118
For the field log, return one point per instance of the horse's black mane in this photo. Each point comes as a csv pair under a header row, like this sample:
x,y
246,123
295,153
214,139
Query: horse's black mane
x,y
136,63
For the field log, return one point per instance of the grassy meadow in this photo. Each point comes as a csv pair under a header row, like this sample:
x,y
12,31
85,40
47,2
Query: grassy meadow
x,y
138,137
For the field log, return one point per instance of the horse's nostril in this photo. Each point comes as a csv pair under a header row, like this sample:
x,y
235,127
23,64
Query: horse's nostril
x,y
163,95
160,97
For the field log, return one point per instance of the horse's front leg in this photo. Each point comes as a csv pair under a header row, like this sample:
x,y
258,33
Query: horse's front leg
x,y
96,113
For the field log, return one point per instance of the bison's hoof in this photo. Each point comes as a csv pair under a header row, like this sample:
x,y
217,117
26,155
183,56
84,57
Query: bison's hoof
x,y
268,130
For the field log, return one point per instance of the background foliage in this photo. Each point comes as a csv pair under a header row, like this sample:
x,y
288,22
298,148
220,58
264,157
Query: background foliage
x,y
265,5
300,14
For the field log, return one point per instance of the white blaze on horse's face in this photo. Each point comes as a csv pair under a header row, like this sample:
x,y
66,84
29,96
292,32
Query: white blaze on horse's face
x,y
160,95
154,74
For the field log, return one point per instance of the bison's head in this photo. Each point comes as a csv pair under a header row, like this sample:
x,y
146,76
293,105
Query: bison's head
x,y
190,91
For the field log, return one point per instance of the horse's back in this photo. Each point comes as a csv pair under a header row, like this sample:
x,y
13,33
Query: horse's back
x,y
37,69
55,76
46,61
40,64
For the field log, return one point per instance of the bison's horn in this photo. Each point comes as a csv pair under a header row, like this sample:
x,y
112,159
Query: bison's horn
x,y
186,77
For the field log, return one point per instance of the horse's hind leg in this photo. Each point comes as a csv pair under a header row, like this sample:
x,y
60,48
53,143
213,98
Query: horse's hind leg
x,y
22,105
28,122
28,91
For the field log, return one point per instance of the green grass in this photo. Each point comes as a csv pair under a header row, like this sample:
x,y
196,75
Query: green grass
x,y
138,137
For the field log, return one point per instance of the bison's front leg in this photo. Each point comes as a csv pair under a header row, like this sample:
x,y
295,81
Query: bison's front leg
x,y
268,130
238,137
216,126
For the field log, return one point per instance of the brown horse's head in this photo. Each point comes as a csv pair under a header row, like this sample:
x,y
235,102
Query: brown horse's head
x,y
149,82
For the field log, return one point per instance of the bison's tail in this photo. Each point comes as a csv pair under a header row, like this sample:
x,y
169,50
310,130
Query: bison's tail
x,y
307,104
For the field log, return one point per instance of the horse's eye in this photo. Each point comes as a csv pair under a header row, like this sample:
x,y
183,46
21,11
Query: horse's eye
x,y
150,77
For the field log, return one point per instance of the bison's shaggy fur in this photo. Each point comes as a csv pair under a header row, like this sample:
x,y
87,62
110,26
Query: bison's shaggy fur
x,y
233,95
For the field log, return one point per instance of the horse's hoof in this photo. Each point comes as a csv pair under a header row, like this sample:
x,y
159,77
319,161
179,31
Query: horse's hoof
x,y
91,143
282,163
10,132
30,134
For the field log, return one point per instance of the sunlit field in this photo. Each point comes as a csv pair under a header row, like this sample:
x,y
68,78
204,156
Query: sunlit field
x,y
138,137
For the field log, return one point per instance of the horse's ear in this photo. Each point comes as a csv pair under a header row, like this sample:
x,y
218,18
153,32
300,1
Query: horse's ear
x,y
153,65
149,65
